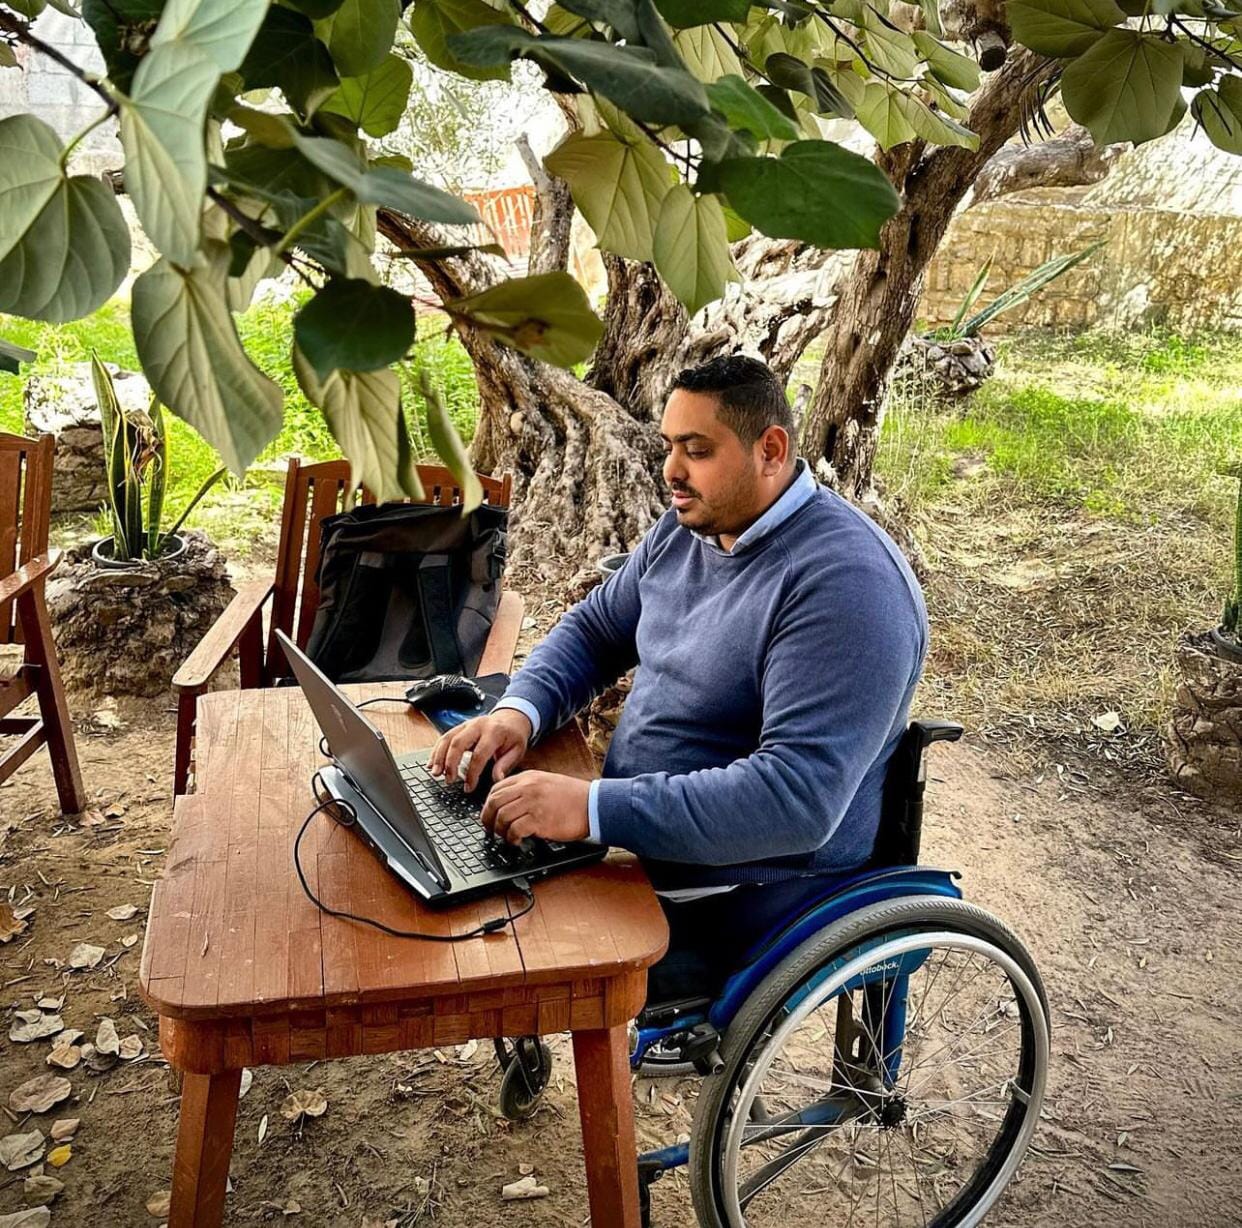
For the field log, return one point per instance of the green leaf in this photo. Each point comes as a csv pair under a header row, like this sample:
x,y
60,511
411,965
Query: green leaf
x,y
376,101
630,77
893,117
7,58
745,107
736,226
617,187
816,83
12,355
316,10
64,244
1195,68
287,55
351,325
447,443
122,29
28,8
707,53
619,14
191,354
162,132
221,29
363,412
815,191
959,71
547,317
384,185
891,49
1220,113
360,34
432,21
1126,87
700,12
273,131
1062,28
692,248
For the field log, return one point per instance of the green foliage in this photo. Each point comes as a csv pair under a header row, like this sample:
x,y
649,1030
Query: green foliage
x,y
700,121
136,464
1231,621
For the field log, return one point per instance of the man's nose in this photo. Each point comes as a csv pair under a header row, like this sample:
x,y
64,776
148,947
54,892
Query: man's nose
x,y
674,470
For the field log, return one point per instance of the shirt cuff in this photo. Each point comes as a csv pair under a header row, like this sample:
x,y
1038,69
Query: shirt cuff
x,y
526,708
593,813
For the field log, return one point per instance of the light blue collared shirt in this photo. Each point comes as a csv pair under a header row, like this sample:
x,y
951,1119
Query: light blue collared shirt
x,y
798,492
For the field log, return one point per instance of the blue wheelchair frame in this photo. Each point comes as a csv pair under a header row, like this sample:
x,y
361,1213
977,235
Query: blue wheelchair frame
x,y
865,888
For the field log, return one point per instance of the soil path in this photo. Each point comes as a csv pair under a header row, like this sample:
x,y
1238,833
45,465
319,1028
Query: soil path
x,y
1129,907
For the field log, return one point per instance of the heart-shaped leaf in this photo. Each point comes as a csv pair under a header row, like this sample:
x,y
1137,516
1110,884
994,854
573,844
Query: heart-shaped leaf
x,y
165,159
375,101
352,325
745,107
360,34
1220,113
1062,28
692,247
191,354
286,54
433,21
39,1094
700,12
815,191
947,65
221,29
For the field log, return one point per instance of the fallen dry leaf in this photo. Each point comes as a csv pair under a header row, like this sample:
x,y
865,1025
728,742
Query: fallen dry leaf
x,y
131,1047
524,1187
10,924
96,1062
247,1078
467,1051
85,955
159,1203
263,1129
114,811
106,1040
40,1190
35,1217
129,940
21,1150
70,1036
91,818
51,1004
123,912
1108,722
34,1025
58,1157
64,1056
39,1094
64,1128
304,1104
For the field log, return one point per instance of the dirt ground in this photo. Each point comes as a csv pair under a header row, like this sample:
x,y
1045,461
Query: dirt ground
x,y
1128,900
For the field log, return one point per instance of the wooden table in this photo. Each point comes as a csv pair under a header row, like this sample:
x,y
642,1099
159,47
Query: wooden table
x,y
244,970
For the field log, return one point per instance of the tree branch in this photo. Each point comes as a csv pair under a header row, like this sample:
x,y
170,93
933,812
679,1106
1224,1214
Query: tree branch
x,y
553,216
1067,161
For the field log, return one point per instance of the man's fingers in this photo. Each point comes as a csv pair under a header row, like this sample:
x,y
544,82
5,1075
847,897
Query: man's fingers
x,y
484,747
460,741
510,757
508,814
522,827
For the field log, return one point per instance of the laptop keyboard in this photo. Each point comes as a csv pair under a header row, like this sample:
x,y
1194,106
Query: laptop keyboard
x,y
452,821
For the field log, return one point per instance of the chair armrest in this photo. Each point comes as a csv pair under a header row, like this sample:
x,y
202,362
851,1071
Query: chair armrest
x,y
502,639
28,574
211,652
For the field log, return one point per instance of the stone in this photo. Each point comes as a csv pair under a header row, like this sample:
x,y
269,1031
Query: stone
x,y
64,405
127,632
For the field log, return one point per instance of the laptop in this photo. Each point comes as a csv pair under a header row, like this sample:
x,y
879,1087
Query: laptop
x,y
426,831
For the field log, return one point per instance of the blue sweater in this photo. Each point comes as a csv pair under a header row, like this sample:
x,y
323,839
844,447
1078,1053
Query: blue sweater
x,y
773,683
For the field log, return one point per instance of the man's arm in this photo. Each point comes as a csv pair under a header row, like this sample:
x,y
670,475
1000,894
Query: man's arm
x,y
588,650
839,669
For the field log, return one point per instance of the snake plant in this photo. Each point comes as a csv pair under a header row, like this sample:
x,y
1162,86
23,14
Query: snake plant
x,y
136,462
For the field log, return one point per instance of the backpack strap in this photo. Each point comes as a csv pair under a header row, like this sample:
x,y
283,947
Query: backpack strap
x,y
435,590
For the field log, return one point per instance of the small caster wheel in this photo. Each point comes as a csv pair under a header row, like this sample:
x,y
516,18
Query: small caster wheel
x,y
525,1076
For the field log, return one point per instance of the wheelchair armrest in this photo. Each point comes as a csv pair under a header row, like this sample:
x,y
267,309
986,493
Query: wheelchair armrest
x,y
927,732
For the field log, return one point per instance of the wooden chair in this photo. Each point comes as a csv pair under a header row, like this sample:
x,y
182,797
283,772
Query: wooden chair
x,y
312,492
25,564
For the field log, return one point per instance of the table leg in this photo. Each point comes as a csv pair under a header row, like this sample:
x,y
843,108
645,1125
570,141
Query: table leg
x,y
204,1147
606,1105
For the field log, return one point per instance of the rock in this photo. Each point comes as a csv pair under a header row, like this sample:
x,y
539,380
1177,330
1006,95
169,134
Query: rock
x,y
127,632
64,405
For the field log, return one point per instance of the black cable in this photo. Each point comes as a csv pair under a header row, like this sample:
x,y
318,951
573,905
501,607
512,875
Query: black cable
x,y
488,927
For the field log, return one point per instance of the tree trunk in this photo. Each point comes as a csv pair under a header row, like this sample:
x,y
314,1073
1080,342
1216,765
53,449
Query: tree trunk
x,y
879,297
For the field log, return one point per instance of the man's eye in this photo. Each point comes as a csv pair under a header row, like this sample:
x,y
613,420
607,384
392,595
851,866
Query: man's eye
x,y
697,455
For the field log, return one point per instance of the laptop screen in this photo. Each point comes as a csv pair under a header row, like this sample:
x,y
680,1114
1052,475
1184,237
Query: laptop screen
x,y
362,751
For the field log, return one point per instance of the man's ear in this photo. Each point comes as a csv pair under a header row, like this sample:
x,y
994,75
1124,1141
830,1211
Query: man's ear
x,y
774,449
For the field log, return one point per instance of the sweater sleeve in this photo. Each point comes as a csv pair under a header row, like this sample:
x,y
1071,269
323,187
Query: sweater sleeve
x,y
588,650
840,666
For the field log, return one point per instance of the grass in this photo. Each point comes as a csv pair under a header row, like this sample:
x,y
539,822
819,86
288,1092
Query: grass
x,y
1076,524
240,513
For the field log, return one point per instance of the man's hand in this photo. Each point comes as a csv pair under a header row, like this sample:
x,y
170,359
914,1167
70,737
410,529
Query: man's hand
x,y
502,735
538,804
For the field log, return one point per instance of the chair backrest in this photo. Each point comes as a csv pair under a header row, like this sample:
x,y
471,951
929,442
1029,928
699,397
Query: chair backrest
x,y
313,492
25,510
901,814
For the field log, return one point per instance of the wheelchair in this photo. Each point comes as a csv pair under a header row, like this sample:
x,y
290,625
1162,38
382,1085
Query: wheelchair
x,y
881,1056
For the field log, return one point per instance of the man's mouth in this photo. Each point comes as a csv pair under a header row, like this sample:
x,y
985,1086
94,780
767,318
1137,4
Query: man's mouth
x,y
682,498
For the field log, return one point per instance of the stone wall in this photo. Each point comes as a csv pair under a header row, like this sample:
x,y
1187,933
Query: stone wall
x,y
1157,267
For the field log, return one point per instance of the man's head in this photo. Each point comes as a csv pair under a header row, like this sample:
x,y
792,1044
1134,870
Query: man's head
x,y
728,436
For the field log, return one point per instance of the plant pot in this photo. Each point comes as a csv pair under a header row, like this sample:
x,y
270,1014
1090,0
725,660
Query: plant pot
x,y
101,554
1227,646
611,563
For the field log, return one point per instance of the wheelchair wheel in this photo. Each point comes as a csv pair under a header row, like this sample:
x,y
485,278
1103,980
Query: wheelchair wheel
x,y
526,1074
889,1071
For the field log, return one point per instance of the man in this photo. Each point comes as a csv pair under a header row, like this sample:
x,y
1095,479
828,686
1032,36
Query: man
x,y
779,636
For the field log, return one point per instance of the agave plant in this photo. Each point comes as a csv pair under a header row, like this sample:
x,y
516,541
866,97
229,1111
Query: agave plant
x,y
136,461
1231,620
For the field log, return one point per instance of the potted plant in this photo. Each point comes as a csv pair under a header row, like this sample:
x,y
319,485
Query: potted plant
x,y
955,360
1204,742
136,461
129,608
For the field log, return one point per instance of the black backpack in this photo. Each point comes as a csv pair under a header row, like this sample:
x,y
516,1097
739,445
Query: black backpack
x,y
406,590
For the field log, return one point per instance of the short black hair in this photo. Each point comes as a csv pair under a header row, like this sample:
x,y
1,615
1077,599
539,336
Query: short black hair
x,y
751,397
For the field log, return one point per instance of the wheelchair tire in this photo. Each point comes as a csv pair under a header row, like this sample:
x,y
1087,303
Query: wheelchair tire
x,y
734,1121
522,1089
